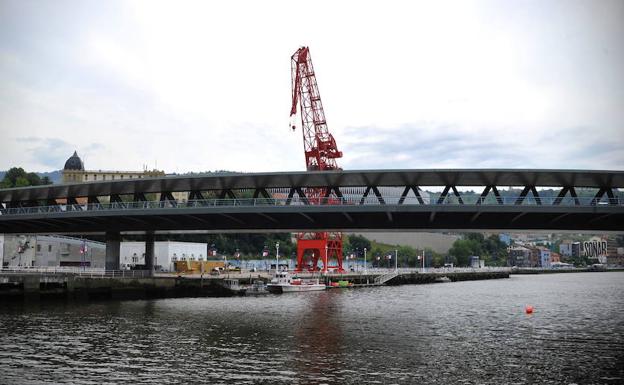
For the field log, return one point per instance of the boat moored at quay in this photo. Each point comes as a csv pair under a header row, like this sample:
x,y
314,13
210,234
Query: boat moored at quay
x,y
283,282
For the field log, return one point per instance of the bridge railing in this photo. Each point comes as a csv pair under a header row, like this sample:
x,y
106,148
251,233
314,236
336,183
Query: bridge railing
x,y
298,201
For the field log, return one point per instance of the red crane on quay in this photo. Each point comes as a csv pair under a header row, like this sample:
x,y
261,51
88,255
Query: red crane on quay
x,y
321,152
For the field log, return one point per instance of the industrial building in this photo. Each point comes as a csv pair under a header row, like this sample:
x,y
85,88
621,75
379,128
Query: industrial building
x,y
166,253
50,251
60,251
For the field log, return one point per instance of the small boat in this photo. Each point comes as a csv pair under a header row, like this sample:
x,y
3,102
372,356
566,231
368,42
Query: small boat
x,y
283,282
258,287
340,284
233,286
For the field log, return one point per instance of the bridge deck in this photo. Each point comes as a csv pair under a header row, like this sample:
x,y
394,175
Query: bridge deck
x,y
355,200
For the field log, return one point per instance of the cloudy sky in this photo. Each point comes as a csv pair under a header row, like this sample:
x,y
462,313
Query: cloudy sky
x,y
194,86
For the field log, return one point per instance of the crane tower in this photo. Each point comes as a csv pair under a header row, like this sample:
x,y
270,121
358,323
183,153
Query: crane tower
x,y
321,152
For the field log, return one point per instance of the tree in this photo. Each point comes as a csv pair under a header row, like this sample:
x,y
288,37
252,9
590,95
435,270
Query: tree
x,y
359,242
462,249
495,250
17,177
407,256
12,175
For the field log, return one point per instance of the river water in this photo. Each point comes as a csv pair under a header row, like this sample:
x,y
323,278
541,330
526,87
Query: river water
x,y
464,332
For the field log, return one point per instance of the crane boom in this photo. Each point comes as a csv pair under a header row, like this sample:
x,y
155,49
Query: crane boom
x,y
320,151
319,145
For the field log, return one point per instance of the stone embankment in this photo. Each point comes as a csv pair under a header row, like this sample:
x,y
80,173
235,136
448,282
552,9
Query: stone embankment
x,y
42,285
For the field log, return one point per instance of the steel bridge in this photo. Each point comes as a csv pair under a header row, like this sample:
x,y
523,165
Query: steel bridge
x,y
355,200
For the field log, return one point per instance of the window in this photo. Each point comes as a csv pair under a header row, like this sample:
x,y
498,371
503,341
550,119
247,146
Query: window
x,y
86,176
103,177
121,177
113,177
94,177
49,248
38,248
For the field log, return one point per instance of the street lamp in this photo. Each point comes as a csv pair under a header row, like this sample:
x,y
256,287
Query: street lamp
x,y
325,259
277,256
396,260
365,271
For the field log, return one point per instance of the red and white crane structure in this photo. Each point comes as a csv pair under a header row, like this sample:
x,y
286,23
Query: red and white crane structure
x,y
321,153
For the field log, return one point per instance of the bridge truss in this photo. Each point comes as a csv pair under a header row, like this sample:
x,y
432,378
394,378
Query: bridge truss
x,y
359,200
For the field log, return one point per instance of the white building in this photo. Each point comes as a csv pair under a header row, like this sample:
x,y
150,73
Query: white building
x,y
565,248
165,254
50,251
545,260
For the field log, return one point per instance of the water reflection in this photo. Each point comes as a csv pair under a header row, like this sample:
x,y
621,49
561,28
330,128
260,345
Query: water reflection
x,y
318,336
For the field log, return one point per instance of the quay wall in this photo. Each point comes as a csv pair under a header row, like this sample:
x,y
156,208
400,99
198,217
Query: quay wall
x,y
34,287
420,278
29,286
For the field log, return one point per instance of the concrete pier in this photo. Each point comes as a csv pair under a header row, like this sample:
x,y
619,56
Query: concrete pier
x,y
149,252
113,241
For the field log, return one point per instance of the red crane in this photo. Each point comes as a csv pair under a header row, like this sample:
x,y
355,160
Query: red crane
x,y
321,153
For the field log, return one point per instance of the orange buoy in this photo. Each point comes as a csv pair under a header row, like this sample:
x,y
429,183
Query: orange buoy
x,y
528,309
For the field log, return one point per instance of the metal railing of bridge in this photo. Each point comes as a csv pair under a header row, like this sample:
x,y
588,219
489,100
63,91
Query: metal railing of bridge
x,y
332,201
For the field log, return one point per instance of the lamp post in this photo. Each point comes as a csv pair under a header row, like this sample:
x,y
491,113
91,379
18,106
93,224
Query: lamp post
x,y
365,270
396,260
418,257
277,256
325,260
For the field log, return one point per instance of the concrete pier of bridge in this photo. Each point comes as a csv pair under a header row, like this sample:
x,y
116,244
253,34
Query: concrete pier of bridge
x,y
113,257
113,243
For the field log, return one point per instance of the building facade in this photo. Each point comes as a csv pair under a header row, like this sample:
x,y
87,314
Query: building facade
x,y
166,253
74,172
544,257
51,251
565,248
519,256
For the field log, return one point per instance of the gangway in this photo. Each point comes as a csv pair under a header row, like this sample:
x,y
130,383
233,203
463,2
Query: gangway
x,y
382,279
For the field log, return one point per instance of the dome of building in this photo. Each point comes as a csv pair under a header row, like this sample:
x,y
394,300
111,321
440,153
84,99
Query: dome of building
x,y
74,163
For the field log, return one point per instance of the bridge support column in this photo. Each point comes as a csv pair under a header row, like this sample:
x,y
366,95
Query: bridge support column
x,y
113,240
149,252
